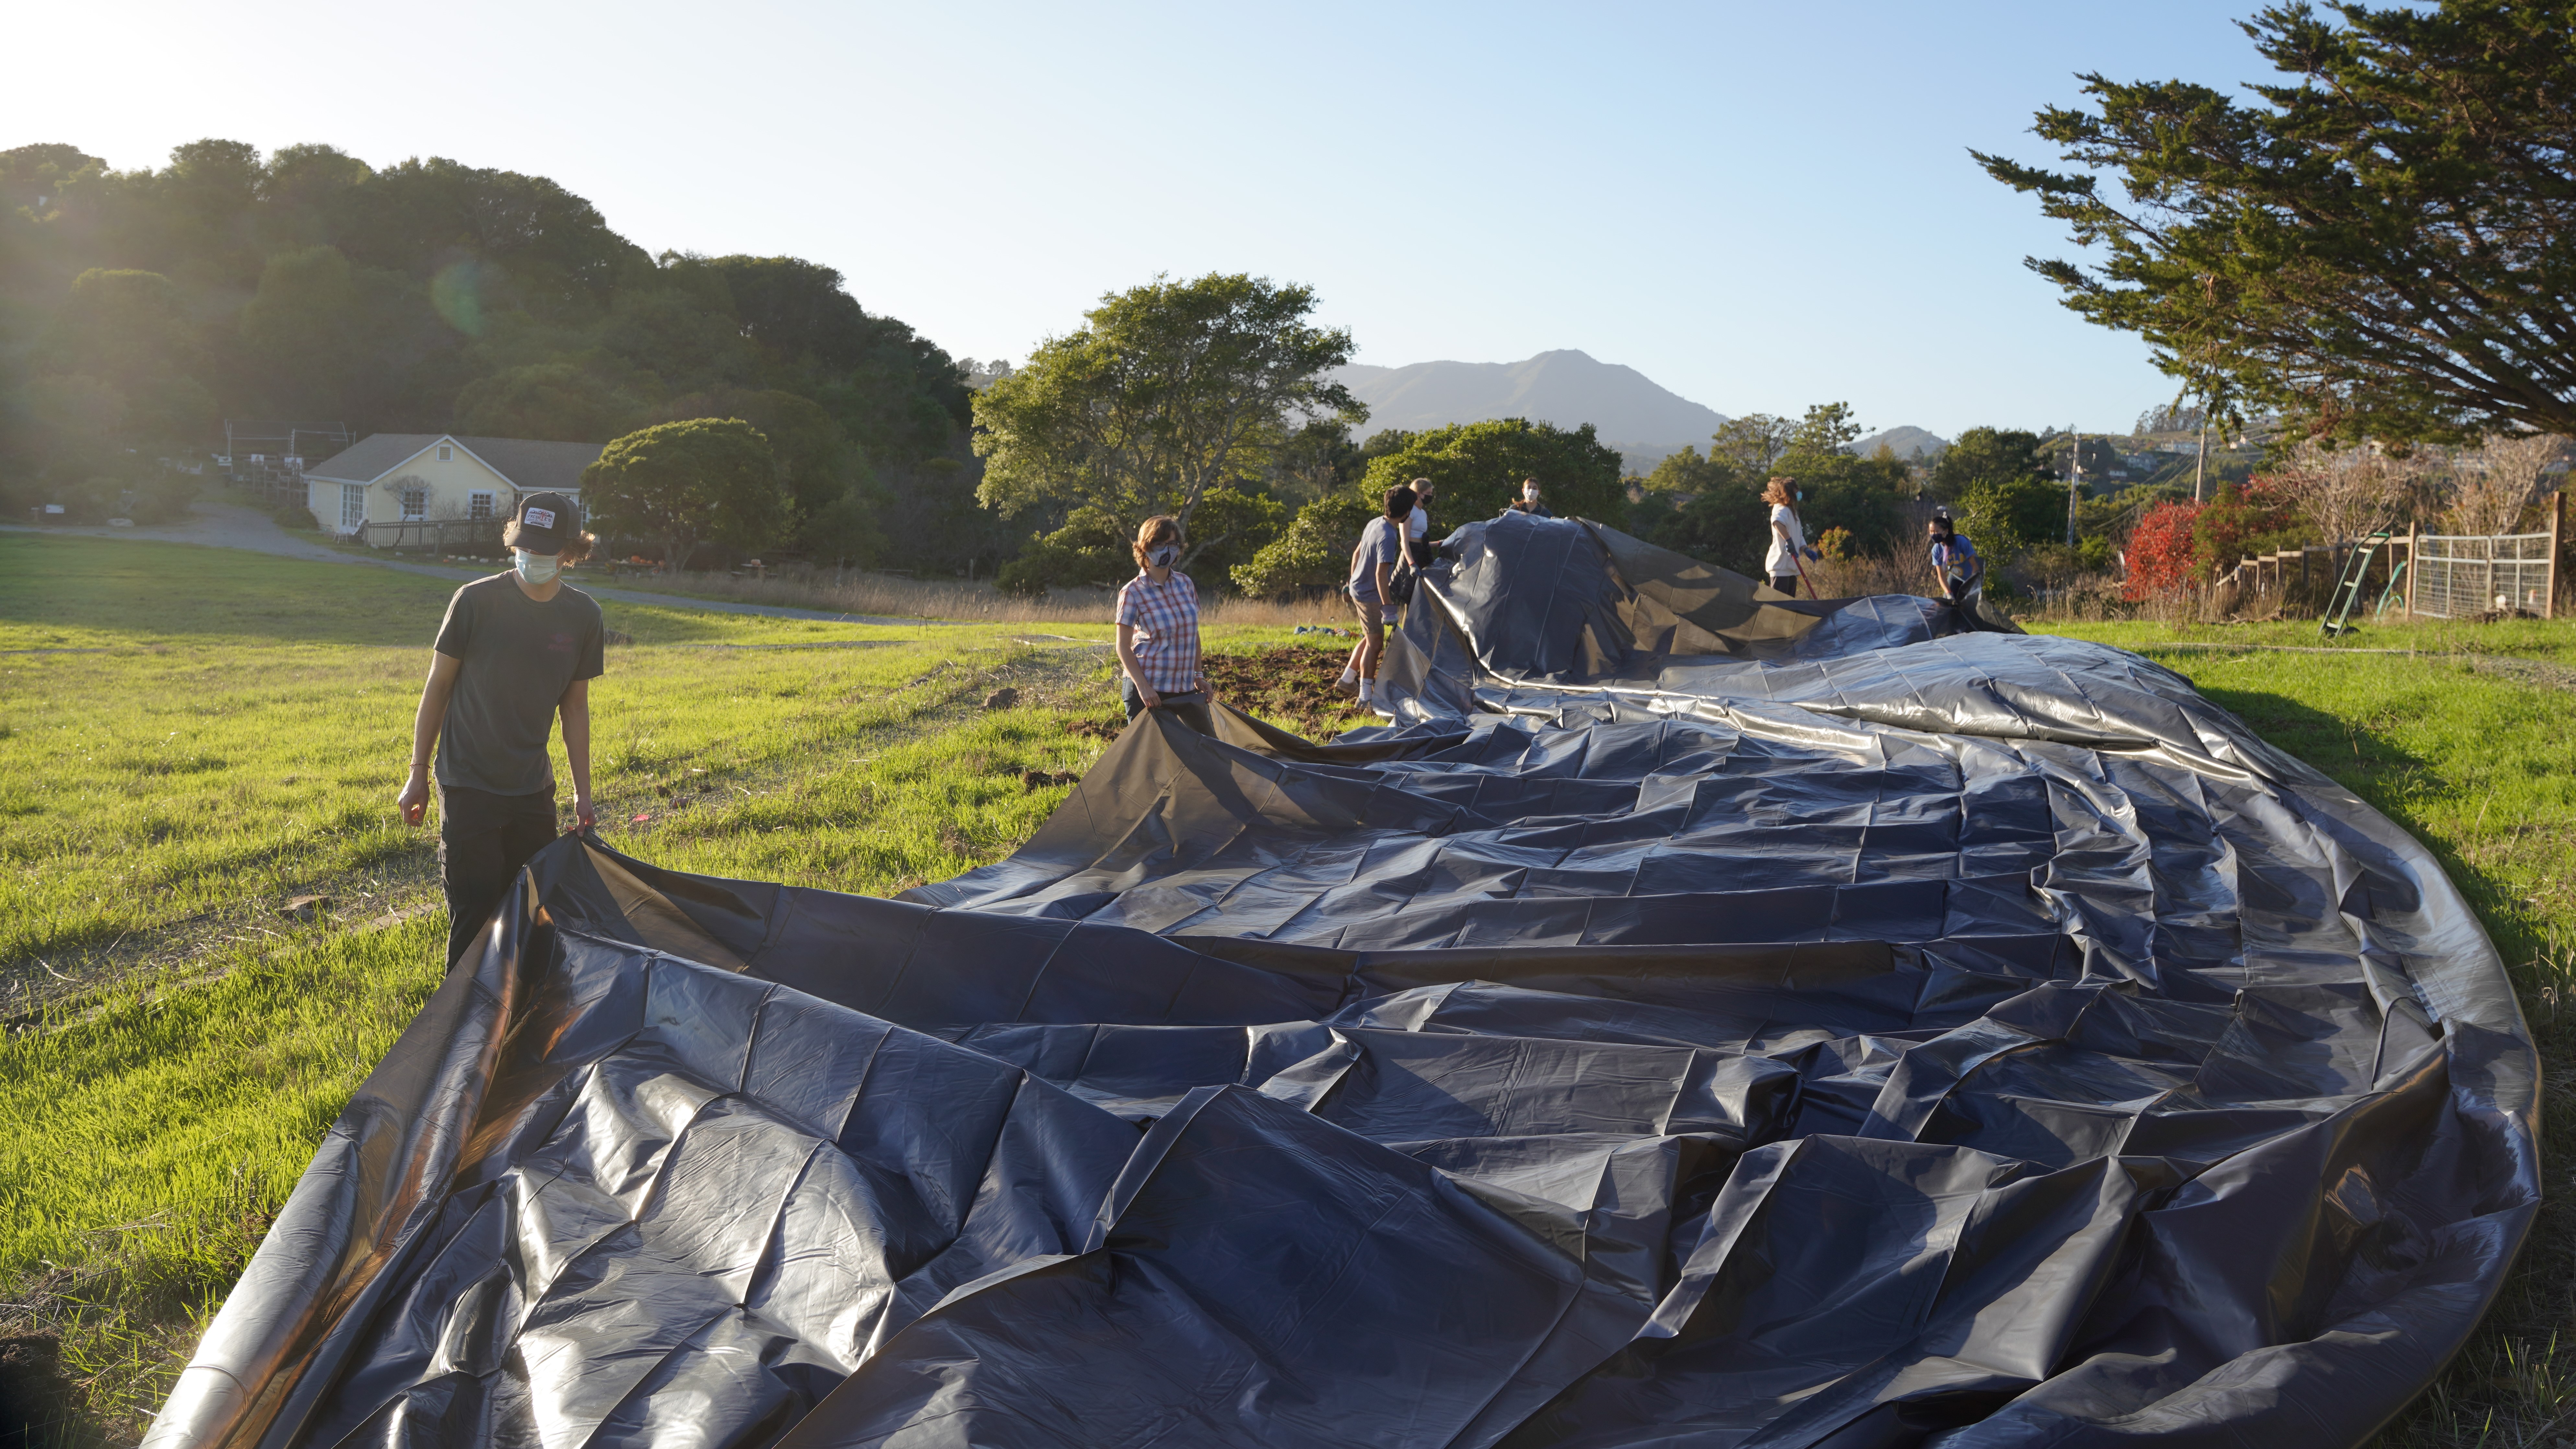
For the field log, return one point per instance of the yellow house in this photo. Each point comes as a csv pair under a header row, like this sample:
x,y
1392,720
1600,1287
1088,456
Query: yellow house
x,y
393,489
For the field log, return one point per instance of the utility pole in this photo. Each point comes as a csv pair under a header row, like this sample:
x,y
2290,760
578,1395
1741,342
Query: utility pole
x,y
2074,480
2200,469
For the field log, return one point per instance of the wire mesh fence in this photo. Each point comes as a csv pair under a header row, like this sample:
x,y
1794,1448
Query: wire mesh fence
x,y
2461,577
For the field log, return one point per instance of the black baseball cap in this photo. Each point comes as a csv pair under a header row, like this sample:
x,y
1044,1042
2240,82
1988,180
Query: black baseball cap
x,y
545,521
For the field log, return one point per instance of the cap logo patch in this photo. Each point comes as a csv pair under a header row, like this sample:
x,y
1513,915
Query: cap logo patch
x,y
541,518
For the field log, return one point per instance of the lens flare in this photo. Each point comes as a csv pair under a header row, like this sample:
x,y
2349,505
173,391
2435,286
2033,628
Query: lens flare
x,y
457,294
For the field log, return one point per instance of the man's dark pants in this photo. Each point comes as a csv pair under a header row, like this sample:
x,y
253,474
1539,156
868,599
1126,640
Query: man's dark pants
x,y
483,839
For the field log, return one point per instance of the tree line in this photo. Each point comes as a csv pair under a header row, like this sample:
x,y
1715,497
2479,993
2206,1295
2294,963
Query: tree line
x,y
751,402
140,308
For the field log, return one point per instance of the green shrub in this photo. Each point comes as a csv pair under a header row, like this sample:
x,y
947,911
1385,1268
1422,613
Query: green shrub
x,y
1090,551
1313,553
2003,517
1478,468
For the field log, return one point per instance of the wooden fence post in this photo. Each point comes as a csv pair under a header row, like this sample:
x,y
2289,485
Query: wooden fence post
x,y
2557,535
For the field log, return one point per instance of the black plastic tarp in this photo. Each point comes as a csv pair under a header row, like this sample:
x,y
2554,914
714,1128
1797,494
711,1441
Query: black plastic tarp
x,y
1698,1017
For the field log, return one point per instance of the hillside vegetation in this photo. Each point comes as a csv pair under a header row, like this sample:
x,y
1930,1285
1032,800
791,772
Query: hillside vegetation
x,y
139,309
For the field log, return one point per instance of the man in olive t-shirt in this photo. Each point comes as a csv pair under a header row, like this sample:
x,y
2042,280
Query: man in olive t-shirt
x,y
515,650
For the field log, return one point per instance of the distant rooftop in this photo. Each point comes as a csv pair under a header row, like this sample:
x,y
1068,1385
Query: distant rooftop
x,y
530,465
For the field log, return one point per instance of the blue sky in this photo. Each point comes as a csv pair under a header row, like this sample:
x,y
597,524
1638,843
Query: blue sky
x,y
1759,206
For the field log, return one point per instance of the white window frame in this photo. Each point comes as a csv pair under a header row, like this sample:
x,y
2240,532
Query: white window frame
x,y
480,505
442,452
353,507
415,504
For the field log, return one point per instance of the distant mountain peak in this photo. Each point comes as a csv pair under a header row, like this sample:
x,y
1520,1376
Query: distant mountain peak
x,y
1905,442
1566,386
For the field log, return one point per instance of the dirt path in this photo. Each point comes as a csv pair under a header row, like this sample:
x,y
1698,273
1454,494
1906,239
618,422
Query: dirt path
x,y
215,523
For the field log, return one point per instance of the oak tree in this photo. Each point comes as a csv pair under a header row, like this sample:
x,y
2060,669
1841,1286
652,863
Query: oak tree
x,y
1170,392
703,480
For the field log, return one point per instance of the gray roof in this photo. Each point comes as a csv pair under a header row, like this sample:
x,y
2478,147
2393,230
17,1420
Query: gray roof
x,y
528,464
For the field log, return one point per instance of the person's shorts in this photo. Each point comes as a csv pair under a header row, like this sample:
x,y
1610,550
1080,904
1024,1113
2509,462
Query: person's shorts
x,y
1786,583
1372,617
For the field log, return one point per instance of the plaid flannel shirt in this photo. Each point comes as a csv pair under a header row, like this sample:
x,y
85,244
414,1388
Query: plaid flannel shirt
x,y
1166,616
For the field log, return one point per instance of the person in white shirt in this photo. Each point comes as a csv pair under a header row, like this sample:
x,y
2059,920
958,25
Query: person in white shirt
x,y
1788,537
1417,530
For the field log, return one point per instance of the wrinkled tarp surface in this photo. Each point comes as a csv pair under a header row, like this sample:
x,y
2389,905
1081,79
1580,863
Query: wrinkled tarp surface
x,y
1700,1018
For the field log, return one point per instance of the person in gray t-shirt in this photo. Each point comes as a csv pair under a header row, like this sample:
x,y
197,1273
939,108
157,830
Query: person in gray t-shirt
x,y
1373,565
515,651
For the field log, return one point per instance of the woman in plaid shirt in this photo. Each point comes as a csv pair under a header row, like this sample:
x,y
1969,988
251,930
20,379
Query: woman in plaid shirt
x,y
1158,631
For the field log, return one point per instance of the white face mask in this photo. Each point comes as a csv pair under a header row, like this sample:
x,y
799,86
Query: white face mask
x,y
1162,556
536,569
1530,494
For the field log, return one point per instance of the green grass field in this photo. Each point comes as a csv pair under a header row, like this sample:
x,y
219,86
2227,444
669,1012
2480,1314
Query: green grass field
x,y
176,1046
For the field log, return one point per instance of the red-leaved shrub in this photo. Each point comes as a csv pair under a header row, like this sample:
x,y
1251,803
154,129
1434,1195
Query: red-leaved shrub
x,y
2160,551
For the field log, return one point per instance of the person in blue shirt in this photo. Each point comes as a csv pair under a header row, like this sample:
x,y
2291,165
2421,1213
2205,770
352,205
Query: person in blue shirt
x,y
1955,565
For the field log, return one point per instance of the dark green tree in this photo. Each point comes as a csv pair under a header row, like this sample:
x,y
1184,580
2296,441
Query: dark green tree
x,y
306,330
817,462
1751,444
1688,474
2384,243
933,523
1314,461
1986,455
562,402
1171,392
121,326
2005,515
1312,555
706,480
1827,428
1478,467
1088,551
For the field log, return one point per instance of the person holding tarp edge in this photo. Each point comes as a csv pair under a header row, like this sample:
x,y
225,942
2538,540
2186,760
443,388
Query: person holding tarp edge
x,y
1373,566
1788,538
1955,565
1419,551
1158,631
515,651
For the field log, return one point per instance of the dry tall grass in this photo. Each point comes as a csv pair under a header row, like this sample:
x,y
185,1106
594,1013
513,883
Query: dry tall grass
x,y
1880,573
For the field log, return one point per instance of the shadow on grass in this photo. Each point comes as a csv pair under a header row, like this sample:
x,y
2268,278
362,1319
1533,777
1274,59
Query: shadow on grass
x,y
75,593
2514,1383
